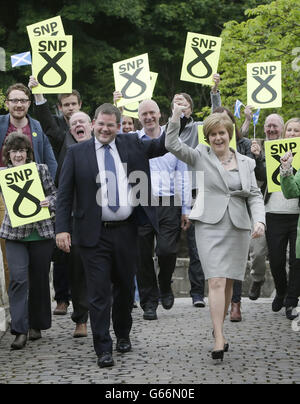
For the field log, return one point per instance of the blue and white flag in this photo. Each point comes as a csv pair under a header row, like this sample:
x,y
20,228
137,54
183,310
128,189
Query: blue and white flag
x,y
255,117
21,59
237,108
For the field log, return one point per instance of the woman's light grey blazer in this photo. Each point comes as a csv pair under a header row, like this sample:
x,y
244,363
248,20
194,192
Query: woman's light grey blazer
x,y
214,197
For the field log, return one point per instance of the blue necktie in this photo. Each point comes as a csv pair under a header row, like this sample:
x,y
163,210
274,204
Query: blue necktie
x,y
111,180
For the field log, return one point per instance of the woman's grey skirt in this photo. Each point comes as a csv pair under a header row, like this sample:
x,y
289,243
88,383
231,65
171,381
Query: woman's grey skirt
x,y
223,249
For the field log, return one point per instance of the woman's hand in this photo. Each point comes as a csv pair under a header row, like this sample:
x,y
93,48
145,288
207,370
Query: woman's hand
x,y
45,203
286,160
258,230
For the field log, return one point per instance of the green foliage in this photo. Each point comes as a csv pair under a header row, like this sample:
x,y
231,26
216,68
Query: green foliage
x,y
270,33
2,98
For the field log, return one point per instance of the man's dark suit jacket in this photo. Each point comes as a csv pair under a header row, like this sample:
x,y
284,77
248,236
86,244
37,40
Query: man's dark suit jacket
x,y
55,127
79,173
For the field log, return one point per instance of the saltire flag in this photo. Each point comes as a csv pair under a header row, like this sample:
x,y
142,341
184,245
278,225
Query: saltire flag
x,y
21,59
237,108
256,116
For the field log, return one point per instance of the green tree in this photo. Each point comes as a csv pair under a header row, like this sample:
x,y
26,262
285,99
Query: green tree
x,y
271,33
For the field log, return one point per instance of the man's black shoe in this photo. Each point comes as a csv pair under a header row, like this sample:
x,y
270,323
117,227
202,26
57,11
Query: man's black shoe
x,y
277,304
291,313
167,301
123,345
105,360
255,289
150,313
19,342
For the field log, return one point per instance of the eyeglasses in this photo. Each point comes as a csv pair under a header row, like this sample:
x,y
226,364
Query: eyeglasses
x,y
17,100
22,151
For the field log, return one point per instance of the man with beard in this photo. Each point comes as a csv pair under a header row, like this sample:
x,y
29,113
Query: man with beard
x,y
17,120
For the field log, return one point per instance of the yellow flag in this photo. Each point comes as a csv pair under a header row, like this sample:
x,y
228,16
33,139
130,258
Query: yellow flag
x,y
201,138
22,191
274,149
201,58
51,27
132,79
52,64
133,109
264,85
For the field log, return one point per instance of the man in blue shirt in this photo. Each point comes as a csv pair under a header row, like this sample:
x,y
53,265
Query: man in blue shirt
x,y
170,186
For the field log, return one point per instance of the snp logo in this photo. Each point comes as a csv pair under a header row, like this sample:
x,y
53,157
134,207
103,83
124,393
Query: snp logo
x,y
296,61
296,322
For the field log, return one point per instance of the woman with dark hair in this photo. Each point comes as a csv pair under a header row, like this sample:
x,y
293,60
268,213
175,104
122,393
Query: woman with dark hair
x,y
29,250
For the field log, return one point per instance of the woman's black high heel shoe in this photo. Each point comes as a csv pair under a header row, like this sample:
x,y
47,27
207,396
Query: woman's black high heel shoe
x,y
226,346
218,355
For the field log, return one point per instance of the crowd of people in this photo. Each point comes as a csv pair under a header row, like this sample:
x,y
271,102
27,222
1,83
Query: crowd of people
x,y
120,190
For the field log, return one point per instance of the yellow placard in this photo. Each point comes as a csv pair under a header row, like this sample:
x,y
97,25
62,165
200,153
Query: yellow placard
x,y
52,64
201,58
264,85
132,79
274,149
153,80
51,27
132,110
22,191
202,140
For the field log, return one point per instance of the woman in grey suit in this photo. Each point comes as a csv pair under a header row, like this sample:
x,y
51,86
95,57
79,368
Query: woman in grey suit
x,y
228,195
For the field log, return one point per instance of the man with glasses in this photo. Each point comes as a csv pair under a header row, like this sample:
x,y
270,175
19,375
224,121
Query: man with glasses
x,y
18,102
17,120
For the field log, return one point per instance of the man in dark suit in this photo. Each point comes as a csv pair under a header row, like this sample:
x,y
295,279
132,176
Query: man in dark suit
x,y
105,222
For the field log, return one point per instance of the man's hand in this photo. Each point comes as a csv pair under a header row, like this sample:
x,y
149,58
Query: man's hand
x,y
63,241
216,80
255,148
286,160
248,112
185,222
32,82
117,95
179,106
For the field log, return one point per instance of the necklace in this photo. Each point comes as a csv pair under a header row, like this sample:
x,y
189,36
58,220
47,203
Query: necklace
x,y
226,162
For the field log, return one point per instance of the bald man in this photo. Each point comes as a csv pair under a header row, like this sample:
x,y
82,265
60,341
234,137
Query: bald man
x,y
168,180
273,129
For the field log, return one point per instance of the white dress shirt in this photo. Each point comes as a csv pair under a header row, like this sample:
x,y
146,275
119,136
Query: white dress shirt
x,y
125,209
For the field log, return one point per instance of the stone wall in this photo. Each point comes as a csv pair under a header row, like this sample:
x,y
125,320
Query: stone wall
x,y
181,283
